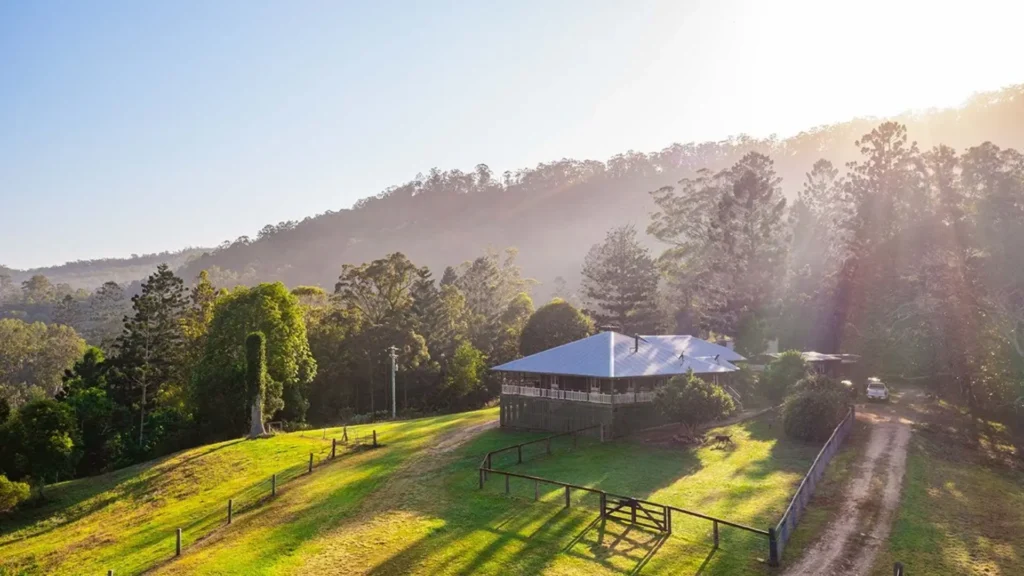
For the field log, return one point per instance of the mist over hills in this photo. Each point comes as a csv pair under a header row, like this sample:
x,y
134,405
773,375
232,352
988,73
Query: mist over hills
x,y
552,213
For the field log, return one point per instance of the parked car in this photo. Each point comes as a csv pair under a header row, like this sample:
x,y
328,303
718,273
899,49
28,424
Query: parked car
x,y
877,390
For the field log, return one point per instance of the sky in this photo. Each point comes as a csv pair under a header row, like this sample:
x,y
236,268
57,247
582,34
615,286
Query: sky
x,y
138,127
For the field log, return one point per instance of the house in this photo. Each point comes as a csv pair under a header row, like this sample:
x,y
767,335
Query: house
x,y
837,366
608,378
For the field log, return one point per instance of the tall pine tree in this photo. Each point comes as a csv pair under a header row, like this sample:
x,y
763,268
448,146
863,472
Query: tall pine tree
x,y
620,284
152,344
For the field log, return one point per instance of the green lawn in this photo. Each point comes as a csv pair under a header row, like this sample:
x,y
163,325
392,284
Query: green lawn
x,y
412,507
126,520
956,516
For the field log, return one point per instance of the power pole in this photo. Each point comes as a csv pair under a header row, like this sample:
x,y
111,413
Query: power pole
x,y
393,352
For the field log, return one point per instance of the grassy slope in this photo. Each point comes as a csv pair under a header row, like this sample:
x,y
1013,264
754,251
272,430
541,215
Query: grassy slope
x,y
429,518
126,520
956,516
425,515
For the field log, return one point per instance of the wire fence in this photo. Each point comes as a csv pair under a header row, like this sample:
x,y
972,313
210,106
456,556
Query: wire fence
x,y
784,529
259,492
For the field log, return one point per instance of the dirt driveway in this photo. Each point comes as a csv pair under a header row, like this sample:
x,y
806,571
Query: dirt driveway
x,y
849,545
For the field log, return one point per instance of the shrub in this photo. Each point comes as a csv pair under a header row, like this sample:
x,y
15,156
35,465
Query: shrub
x,y
11,494
693,402
813,414
782,374
817,382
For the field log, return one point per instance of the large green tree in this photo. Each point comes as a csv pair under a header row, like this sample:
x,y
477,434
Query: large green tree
x,y
219,386
44,434
728,239
99,419
620,284
33,358
554,324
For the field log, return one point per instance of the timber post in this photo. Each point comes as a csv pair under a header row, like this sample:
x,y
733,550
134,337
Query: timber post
x,y
374,438
273,484
566,496
715,529
177,543
310,463
230,506
773,548
334,447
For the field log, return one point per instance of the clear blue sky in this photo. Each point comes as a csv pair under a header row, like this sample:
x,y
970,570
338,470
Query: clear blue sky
x,y
132,127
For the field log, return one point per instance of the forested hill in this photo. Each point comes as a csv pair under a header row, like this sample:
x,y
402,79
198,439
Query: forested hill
x,y
553,213
90,274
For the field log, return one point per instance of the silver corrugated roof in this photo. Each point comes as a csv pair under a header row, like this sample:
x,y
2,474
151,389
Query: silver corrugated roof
x,y
614,355
697,348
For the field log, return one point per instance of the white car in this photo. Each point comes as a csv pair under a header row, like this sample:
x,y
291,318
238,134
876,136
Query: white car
x,y
877,390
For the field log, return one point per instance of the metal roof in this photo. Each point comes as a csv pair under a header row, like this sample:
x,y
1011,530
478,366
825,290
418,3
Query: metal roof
x,y
614,355
697,348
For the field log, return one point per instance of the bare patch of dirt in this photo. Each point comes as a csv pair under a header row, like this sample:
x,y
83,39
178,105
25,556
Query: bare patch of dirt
x,y
849,545
461,436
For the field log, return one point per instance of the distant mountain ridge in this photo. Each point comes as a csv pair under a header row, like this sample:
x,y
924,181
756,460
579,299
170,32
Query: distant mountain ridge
x,y
554,212
89,274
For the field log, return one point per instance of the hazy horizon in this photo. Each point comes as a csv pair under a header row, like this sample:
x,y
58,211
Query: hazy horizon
x,y
228,117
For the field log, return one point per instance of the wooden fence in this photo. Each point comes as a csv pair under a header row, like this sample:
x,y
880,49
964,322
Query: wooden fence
x,y
260,492
784,529
617,507
580,396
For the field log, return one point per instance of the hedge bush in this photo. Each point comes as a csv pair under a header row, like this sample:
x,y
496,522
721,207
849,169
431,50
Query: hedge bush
x,y
812,414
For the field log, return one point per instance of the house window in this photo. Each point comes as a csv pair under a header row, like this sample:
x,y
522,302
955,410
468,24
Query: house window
x,y
554,381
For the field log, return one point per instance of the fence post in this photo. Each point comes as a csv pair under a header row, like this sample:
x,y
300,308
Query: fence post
x,y
520,450
374,438
604,503
310,463
773,548
487,474
110,573
230,506
177,543
334,447
632,509
273,485
897,569
566,496
668,519
536,490
716,532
